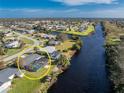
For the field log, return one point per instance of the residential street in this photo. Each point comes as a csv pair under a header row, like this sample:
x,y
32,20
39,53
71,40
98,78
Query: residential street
x,y
36,43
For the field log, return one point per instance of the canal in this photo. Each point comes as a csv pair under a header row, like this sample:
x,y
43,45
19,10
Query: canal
x,y
87,73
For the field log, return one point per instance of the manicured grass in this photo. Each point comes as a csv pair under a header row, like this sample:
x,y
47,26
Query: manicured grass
x,y
12,51
23,85
65,45
89,30
111,41
37,74
27,41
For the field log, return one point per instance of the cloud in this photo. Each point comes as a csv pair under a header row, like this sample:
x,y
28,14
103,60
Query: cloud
x,y
72,12
80,2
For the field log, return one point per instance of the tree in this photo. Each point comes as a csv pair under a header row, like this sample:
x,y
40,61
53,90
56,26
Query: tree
x,y
2,36
76,47
74,37
63,61
39,28
2,65
62,37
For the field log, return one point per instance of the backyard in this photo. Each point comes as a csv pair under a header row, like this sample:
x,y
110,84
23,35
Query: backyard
x,y
24,85
65,45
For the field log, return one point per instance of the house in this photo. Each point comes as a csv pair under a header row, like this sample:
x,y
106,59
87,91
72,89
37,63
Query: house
x,y
13,44
53,52
30,31
6,77
52,43
46,36
33,62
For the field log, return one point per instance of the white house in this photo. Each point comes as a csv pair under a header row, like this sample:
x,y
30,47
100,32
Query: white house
x,y
6,77
13,44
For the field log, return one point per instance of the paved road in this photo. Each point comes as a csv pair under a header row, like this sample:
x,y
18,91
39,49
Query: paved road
x,y
36,43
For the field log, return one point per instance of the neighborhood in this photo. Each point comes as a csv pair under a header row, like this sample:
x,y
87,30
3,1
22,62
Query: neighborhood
x,y
48,34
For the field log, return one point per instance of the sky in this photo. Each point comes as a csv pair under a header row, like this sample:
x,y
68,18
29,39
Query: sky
x,y
62,8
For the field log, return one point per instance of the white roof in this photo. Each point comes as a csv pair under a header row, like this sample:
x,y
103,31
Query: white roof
x,y
50,49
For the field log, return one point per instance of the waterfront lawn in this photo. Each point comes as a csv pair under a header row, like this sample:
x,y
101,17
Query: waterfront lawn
x,y
65,45
23,85
89,30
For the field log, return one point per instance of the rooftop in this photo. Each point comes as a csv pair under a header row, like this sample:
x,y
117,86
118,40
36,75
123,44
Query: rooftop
x,y
50,49
6,73
31,58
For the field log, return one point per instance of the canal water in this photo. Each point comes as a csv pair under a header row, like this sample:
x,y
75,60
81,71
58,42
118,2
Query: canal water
x,y
87,73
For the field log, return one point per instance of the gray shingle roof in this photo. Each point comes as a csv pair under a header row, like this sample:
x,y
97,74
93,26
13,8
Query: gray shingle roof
x,y
30,58
6,73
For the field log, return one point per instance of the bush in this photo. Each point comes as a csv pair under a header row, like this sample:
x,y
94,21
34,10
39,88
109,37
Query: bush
x,y
65,50
75,47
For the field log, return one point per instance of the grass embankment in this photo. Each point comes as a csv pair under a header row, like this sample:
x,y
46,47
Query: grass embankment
x,y
114,54
89,30
65,45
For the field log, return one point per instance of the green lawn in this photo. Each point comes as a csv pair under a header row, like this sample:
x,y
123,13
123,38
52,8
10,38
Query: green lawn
x,y
23,85
65,45
85,33
27,41
37,74
12,51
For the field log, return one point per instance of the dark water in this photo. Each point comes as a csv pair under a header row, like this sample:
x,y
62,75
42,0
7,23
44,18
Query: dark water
x,y
87,73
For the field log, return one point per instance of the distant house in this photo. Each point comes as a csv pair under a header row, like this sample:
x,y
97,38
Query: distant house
x,y
13,44
30,31
52,43
46,36
33,62
6,77
53,52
